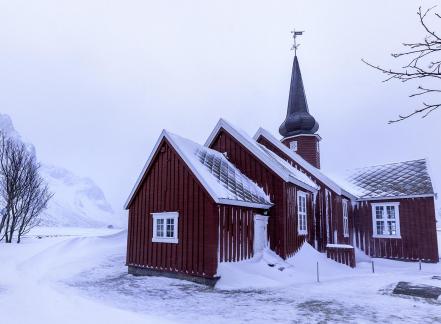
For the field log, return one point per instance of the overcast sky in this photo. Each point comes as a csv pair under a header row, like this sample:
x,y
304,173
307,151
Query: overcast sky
x,y
92,83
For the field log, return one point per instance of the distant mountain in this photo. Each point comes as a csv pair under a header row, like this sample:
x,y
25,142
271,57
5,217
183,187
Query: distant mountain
x,y
77,201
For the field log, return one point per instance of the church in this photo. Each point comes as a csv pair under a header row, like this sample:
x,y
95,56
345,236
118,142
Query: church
x,y
197,205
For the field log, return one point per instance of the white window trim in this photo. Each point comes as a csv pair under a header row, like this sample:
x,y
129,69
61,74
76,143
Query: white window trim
x,y
299,231
345,218
293,145
165,216
397,220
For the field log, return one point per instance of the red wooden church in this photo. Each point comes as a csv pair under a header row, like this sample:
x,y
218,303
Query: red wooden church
x,y
195,206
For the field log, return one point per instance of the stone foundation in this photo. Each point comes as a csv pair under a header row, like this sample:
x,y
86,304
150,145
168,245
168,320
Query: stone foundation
x,y
138,271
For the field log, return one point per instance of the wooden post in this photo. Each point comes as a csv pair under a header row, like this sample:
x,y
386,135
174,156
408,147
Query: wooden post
x,y
318,276
419,260
373,267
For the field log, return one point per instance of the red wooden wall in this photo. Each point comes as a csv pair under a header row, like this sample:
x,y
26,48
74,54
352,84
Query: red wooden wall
x,y
236,233
417,227
294,241
334,203
246,162
169,185
342,255
306,148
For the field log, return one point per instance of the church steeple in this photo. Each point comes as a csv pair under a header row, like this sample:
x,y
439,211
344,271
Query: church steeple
x,y
299,128
298,119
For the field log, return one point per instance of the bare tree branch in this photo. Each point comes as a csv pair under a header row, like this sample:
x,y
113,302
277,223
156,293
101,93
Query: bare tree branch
x,y
424,64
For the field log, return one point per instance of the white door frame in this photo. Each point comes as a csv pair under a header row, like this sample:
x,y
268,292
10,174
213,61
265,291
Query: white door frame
x,y
260,241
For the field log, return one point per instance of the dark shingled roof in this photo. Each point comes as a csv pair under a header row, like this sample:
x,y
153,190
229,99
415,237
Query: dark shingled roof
x,y
298,119
409,178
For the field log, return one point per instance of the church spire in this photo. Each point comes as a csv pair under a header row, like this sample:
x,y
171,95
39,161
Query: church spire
x,y
298,119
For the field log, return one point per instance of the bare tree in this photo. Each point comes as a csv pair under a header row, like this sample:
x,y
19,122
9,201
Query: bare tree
x,y
23,192
424,64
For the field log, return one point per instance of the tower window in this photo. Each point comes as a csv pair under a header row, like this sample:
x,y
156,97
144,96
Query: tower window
x,y
318,147
293,146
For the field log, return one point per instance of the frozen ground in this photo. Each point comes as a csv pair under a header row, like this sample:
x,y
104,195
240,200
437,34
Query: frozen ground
x,y
81,277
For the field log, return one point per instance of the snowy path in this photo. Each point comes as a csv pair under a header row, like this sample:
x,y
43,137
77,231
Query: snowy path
x,y
349,300
83,279
30,275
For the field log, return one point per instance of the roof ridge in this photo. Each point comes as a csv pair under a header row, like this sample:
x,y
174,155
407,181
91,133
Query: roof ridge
x,y
251,144
317,173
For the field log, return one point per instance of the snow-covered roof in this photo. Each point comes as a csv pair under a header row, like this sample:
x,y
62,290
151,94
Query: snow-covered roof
x,y
224,182
394,180
287,172
302,162
292,170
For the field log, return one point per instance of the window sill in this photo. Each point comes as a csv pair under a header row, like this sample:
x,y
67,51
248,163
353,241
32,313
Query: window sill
x,y
302,233
387,236
164,240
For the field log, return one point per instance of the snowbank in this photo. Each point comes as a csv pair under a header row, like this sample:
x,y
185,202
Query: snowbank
x,y
268,270
31,278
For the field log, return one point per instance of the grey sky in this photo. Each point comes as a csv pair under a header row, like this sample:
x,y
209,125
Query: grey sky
x,y
92,83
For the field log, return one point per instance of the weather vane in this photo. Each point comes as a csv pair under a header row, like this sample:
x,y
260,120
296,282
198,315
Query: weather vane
x,y
294,36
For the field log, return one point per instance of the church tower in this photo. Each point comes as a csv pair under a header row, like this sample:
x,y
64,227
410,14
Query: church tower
x,y
299,128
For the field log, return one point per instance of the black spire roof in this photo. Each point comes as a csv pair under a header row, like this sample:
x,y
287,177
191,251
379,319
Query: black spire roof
x,y
298,120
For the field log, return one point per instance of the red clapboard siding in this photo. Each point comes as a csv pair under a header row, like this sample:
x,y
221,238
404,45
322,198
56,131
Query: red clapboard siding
x,y
169,185
336,217
342,255
306,148
279,228
417,226
235,233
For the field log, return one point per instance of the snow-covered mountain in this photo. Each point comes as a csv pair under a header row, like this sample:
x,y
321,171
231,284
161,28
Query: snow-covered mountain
x,y
77,201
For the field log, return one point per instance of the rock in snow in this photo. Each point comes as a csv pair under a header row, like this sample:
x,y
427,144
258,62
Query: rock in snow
x,y
77,201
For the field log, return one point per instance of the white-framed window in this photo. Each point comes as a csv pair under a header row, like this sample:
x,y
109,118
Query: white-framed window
x,y
293,145
302,225
386,219
345,218
318,147
165,227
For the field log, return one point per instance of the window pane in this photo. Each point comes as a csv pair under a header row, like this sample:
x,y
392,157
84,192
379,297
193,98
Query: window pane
x,y
380,228
390,212
160,228
391,228
379,212
170,227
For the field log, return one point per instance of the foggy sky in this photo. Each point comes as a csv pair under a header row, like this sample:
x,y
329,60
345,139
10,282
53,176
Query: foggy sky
x,y
92,83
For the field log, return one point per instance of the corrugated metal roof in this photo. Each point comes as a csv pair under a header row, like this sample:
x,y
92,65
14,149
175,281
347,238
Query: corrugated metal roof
x,y
223,181
242,188
219,175
410,178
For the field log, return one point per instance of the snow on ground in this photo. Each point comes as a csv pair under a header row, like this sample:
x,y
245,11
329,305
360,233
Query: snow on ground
x,y
30,274
79,276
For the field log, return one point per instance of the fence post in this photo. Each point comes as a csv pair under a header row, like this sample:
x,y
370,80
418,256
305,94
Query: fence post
x,y
419,260
318,276
373,267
